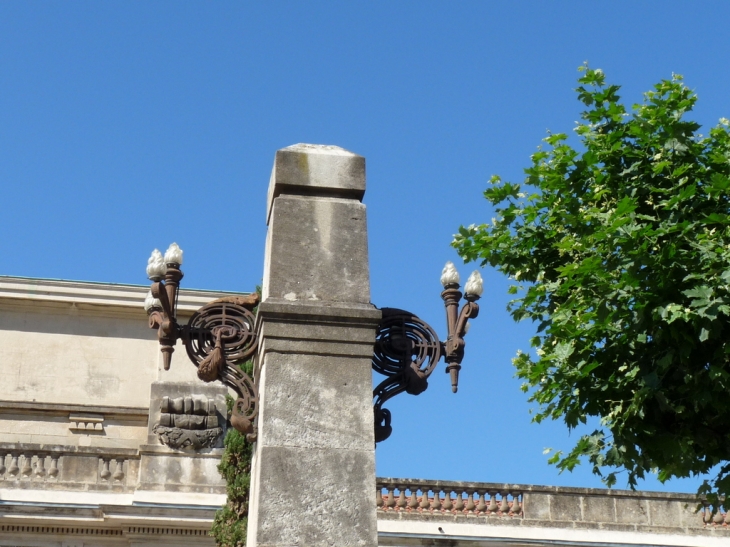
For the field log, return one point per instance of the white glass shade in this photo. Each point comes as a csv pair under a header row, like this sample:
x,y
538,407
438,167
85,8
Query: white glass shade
x,y
174,255
449,275
474,285
467,326
151,302
156,266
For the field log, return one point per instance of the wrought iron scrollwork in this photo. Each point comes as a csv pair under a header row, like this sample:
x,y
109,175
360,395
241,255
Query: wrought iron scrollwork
x,y
406,351
218,336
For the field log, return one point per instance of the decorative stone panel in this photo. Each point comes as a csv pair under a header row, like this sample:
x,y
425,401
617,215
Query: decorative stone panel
x,y
188,422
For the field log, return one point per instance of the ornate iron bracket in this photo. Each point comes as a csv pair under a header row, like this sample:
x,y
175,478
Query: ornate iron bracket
x,y
218,336
407,349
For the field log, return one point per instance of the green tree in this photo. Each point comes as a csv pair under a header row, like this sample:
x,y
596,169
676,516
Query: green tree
x,y
619,249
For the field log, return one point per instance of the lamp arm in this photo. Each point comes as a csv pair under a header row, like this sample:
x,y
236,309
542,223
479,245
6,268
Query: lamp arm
x,y
159,291
469,311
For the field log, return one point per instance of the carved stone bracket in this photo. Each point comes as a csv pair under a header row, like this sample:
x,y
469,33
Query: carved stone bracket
x,y
188,422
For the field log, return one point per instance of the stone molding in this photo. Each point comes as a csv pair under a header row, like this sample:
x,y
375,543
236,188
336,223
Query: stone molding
x,y
109,298
23,407
86,422
316,329
316,170
108,525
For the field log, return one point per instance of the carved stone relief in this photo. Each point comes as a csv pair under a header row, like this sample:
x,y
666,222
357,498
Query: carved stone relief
x,y
188,422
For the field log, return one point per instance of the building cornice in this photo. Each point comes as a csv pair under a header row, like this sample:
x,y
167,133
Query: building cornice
x,y
90,295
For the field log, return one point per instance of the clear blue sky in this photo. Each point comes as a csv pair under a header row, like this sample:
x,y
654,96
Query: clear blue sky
x,y
127,125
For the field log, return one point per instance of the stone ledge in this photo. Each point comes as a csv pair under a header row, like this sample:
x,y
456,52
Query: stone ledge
x,y
162,450
109,412
324,311
69,449
711,531
101,297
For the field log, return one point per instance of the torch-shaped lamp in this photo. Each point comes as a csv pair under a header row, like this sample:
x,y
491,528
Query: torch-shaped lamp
x,y
161,303
457,321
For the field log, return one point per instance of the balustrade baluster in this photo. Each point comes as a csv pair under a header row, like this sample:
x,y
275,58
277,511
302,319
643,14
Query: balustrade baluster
x,y
516,508
390,498
401,503
413,502
470,506
425,504
459,506
379,497
119,471
40,466
436,501
448,506
53,471
26,469
707,513
2,466
504,506
482,505
105,473
13,469
493,507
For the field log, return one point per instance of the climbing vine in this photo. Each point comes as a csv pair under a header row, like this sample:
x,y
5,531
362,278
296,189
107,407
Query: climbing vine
x,y
231,521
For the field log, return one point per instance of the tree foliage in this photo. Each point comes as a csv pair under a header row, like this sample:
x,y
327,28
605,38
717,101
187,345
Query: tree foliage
x,y
619,249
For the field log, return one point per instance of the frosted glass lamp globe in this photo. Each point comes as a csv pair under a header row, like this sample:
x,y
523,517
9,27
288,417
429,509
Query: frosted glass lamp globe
x,y
449,275
475,284
151,302
174,255
156,266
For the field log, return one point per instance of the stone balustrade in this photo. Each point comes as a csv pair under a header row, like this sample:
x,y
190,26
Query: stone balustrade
x,y
448,497
50,466
544,506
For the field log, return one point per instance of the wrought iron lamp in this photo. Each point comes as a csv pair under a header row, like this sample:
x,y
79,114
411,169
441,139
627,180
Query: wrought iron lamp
x,y
218,337
407,349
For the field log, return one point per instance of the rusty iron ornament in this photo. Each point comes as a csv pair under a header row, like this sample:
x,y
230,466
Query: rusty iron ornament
x,y
456,324
407,351
218,336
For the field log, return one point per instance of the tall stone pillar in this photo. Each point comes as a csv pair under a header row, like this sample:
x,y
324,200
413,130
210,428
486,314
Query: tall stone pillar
x,y
313,477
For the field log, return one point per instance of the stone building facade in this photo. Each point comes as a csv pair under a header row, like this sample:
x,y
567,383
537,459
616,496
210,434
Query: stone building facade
x,y
99,445
84,461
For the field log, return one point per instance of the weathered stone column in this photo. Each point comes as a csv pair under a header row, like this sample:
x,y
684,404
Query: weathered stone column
x,y
313,477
